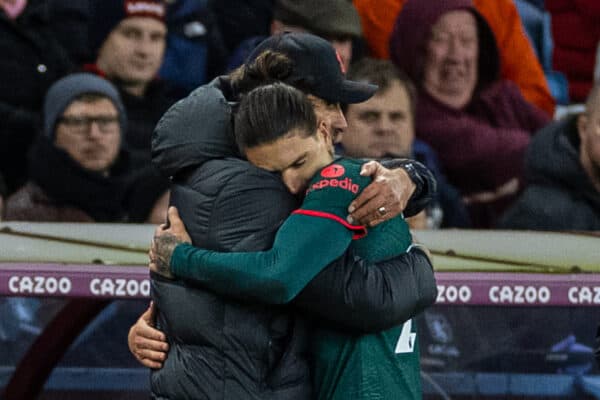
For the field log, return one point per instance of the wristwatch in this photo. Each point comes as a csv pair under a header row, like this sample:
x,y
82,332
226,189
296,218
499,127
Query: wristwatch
x,y
414,176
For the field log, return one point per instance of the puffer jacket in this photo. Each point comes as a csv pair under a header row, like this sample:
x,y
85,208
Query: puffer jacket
x,y
231,348
226,348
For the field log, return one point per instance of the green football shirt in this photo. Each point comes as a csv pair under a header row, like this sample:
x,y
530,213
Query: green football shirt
x,y
346,366
376,366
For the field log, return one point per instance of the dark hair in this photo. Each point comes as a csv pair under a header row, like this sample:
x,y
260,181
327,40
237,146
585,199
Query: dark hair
x,y
269,67
269,112
382,73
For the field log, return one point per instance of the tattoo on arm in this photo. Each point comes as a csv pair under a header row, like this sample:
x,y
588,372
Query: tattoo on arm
x,y
165,245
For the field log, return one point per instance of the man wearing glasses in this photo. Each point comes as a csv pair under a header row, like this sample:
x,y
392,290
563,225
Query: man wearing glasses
x,y
78,170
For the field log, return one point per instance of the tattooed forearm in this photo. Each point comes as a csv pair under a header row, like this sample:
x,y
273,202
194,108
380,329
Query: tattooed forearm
x,y
164,245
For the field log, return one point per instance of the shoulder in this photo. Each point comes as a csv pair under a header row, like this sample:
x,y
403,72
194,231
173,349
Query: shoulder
x,y
232,180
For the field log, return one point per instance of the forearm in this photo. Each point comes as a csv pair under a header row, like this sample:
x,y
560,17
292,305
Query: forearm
x,y
423,179
274,276
370,297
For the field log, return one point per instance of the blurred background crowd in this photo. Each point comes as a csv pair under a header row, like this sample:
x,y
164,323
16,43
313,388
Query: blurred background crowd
x,y
499,98
496,97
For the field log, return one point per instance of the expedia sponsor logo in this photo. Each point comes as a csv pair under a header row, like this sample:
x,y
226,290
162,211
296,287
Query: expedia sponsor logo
x,y
333,171
345,184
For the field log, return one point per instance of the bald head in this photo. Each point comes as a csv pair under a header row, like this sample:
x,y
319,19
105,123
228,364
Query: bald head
x,y
588,126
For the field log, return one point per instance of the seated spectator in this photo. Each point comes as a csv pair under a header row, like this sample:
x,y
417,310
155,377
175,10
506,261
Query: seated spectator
x,y
128,37
478,124
519,63
334,20
79,170
576,32
195,44
563,175
383,127
31,60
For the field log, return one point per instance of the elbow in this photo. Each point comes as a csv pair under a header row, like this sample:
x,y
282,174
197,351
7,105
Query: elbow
x,y
429,296
382,315
397,310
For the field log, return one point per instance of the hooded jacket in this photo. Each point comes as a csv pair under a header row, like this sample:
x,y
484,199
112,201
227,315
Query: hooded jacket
x,y
519,61
481,146
225,348
559,195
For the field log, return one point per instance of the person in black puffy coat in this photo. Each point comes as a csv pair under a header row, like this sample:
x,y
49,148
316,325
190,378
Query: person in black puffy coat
x,y
225,348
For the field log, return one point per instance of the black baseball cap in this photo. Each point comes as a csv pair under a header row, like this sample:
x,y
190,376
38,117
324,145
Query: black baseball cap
x,y
318,66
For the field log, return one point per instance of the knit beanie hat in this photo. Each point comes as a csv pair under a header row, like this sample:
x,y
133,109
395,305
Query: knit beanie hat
x,y
107,14
62,93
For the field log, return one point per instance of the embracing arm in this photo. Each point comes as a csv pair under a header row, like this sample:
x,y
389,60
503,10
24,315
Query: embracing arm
x,y
277,275
349,291
371,298
421,176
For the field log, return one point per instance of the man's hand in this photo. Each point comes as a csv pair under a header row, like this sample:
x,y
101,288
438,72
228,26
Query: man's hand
x,y
166,238
385,198
147,344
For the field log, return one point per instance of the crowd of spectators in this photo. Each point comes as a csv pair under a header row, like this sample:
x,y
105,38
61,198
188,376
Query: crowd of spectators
x,y
462,89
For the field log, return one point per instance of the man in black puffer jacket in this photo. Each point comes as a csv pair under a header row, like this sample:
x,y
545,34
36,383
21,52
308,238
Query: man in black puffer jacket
x,y
232,349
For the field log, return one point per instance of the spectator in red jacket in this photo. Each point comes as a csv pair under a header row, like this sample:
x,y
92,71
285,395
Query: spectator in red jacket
x,y
479,124
519,63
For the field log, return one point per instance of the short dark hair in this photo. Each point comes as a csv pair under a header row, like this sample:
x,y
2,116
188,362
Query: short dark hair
x,y
269,112
382,73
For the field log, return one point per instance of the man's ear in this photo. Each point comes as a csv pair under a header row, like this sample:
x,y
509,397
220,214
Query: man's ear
x,y
324,132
